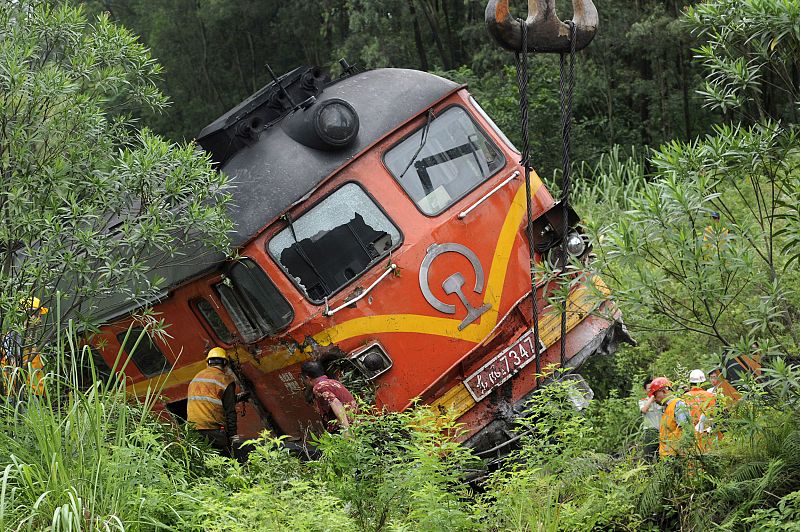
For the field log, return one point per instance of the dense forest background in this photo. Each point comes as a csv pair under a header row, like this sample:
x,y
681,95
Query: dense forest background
x,y
681,109
636,83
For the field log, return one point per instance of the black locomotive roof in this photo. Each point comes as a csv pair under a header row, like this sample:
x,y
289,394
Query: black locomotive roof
x,y
273,171
276,171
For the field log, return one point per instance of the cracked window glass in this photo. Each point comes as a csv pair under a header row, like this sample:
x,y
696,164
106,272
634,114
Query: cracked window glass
x,y
444,160
254,304
334,242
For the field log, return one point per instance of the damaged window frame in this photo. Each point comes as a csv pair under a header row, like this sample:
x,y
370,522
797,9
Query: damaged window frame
x,y
289,226
429,123
227,288
213,322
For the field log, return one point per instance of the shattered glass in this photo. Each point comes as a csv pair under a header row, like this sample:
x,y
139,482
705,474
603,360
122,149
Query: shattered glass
x,y
334,242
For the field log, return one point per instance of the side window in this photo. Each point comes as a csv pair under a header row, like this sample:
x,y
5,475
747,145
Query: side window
x,y
147,357
86,357
443,161
334,242
211,316
101,367
254,304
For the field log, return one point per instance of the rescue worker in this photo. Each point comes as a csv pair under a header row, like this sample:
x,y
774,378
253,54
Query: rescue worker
x,y
211,402
714,378
676,416
651,422
714,234
20,352
702,404
332,401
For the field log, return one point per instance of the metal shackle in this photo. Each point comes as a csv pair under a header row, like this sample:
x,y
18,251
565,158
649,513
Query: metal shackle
x,y
546,32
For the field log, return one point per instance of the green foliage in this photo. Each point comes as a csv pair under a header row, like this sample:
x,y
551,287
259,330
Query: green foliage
x,y
750,51
635,84
90,202
723,279
558,480
400,471
76,459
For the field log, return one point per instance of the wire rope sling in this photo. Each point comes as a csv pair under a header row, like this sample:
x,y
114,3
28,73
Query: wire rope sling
x,y
544,32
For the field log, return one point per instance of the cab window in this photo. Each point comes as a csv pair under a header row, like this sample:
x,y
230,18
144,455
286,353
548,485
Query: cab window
x,y
253,302
213,319
444,160
146,356
334,242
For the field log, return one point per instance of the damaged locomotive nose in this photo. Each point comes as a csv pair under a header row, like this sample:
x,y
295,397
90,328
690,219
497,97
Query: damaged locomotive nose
x,y
545,31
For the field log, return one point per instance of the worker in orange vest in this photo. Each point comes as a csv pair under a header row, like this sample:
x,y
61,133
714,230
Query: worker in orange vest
x,y
702,404
675,418
19,353
211,402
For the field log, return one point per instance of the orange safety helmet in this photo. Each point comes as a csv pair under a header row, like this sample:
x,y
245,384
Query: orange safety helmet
x,y
658,383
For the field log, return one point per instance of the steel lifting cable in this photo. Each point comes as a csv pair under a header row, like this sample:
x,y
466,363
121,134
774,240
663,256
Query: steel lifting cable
x,y
522,84
565,100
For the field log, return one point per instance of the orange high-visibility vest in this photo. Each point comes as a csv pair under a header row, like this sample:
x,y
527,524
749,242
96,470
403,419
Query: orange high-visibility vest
x,y
670,432
701,403
33,364
204,402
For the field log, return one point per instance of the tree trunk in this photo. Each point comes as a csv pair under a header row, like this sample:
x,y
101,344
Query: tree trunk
x,y
423,58
431,18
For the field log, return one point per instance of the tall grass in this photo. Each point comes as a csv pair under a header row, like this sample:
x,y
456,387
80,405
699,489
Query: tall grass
x,y
610,183
85,455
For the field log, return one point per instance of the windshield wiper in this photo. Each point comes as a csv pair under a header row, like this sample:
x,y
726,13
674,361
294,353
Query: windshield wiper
x,y
303,255
422,142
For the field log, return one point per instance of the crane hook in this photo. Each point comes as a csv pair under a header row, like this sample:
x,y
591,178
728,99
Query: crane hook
x,y
546,32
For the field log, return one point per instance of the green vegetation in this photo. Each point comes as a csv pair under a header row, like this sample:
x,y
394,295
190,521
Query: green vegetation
x,y
695,292
90,201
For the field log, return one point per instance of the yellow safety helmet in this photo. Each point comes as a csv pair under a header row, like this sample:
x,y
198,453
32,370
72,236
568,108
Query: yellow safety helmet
x,y
33,303
217,352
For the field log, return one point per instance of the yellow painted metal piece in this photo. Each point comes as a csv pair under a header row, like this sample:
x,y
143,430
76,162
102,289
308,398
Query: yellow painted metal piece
x,y
457,401
277,357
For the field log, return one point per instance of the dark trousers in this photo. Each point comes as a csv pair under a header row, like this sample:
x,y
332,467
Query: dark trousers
x,y
650,441
218,440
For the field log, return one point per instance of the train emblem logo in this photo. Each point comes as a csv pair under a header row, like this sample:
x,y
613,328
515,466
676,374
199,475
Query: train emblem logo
x,y
454,283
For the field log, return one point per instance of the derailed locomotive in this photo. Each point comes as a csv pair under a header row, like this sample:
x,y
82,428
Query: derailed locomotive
x,y
380,216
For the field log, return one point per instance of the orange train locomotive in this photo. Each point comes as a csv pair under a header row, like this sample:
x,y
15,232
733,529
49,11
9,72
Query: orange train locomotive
x,y
380,216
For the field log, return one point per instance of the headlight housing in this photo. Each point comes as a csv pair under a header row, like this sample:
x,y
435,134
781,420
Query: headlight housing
x,y
328,125
576,244
372,361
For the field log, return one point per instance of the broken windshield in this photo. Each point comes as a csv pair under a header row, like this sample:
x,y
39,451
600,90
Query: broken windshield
x,y
334,242
454,158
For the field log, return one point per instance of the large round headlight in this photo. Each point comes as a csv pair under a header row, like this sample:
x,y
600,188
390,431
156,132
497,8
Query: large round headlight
x,y
336,122
575,244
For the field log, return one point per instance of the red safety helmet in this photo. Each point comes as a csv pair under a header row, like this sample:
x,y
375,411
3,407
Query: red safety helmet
x,y
658,383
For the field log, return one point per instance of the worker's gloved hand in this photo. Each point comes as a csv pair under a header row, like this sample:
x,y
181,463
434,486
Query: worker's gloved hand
x,y
242,397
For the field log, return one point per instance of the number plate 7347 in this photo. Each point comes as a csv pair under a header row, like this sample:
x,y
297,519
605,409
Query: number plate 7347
x,y
503,366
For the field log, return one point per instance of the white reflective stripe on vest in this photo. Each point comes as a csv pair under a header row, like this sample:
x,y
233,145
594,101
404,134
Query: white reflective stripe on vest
x,y
211,381
212,400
